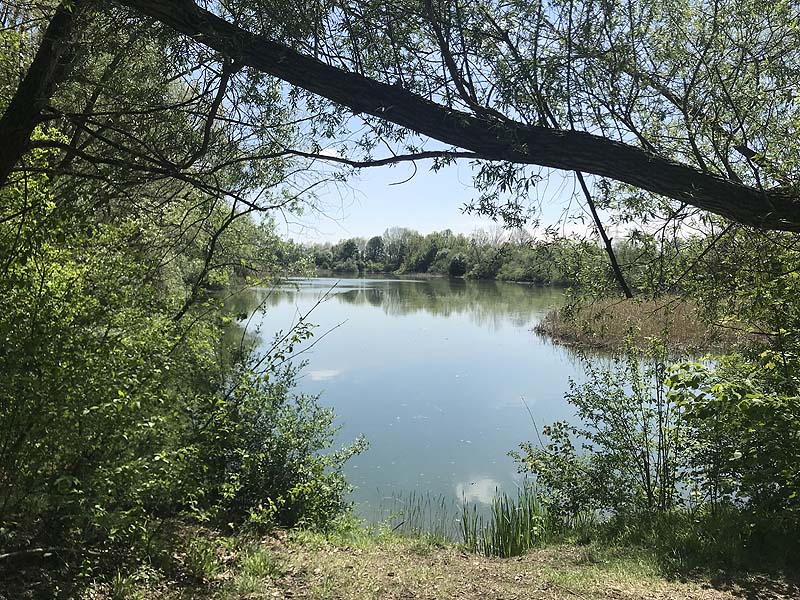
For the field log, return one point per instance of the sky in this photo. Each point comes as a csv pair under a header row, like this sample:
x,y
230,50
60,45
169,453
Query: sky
x,y
395,196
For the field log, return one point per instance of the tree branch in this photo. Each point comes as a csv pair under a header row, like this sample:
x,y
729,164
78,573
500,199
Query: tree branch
x,y
777,208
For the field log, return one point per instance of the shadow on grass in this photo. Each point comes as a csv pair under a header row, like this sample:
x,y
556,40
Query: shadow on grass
x,y
751,556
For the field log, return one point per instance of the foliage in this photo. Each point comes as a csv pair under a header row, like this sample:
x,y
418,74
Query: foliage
x,y
113,414
260,452
115,417
683,87
629,444
124,406
200,558
145,188
514,256
374,252
741,436
697,460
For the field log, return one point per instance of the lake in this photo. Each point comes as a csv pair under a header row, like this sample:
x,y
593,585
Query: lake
x,y
436,373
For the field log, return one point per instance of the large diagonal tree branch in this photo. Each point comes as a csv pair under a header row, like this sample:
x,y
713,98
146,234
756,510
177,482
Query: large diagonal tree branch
x,y
777,208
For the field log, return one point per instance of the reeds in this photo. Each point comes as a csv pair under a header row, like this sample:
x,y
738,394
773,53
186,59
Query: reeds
x,y
614,324
421,515
512,527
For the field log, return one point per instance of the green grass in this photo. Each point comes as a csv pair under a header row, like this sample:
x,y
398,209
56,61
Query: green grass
x,y
201,558
592,565
261,562
351,561
588,557
352,533
256,571
509,526
123,587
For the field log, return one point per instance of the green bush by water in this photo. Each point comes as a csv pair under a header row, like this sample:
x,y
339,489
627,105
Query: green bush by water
x,y
693,462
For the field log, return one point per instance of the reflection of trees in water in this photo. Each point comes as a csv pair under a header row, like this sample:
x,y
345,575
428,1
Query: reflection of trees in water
x,y
485,302
372,295
249,300
242,331
237,335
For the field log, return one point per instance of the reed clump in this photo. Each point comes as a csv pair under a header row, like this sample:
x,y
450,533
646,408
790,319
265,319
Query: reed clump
x,y
512,527
615,324
425,515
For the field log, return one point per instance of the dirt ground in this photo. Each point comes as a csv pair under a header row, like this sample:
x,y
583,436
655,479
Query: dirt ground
x,y
415,570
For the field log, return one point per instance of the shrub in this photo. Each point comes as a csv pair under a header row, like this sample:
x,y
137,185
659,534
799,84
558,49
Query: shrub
x,y
627,460
697,461
741,437
263,451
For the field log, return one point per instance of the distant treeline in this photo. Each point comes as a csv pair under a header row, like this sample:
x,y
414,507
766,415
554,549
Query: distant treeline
x,y
500,254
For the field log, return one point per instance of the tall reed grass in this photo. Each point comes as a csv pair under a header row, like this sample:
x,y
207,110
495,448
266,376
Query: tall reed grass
x,y
613,324
512,526
421,515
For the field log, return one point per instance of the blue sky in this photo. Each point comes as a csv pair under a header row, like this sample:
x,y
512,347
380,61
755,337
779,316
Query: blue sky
x,y
380,197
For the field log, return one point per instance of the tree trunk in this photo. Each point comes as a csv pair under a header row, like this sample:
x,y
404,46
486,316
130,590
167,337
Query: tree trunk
x,y
49,67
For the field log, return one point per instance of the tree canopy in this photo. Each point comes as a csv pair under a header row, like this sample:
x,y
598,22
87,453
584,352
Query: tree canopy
x,y
688,101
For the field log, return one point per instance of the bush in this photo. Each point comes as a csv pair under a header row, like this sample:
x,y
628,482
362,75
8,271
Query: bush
x,y
121,407
627,460
727,539
261,455
741,437
458,266
697,462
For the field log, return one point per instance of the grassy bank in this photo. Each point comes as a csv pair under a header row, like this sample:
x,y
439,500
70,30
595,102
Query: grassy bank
x,y
513,549
355,564
610,324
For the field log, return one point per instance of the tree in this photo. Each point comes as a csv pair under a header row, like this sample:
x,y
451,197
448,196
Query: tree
x,y
530,84
128,395
374,249
395,243
347,250
492,134
422,253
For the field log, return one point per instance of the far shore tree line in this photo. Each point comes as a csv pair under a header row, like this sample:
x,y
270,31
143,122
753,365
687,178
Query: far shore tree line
x,y
509,255
506,255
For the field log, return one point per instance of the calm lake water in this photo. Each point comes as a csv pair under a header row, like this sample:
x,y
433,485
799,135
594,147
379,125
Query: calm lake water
x,y
435,373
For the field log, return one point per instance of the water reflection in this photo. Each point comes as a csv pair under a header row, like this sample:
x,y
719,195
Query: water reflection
x,y
324,374
481,490
487,303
